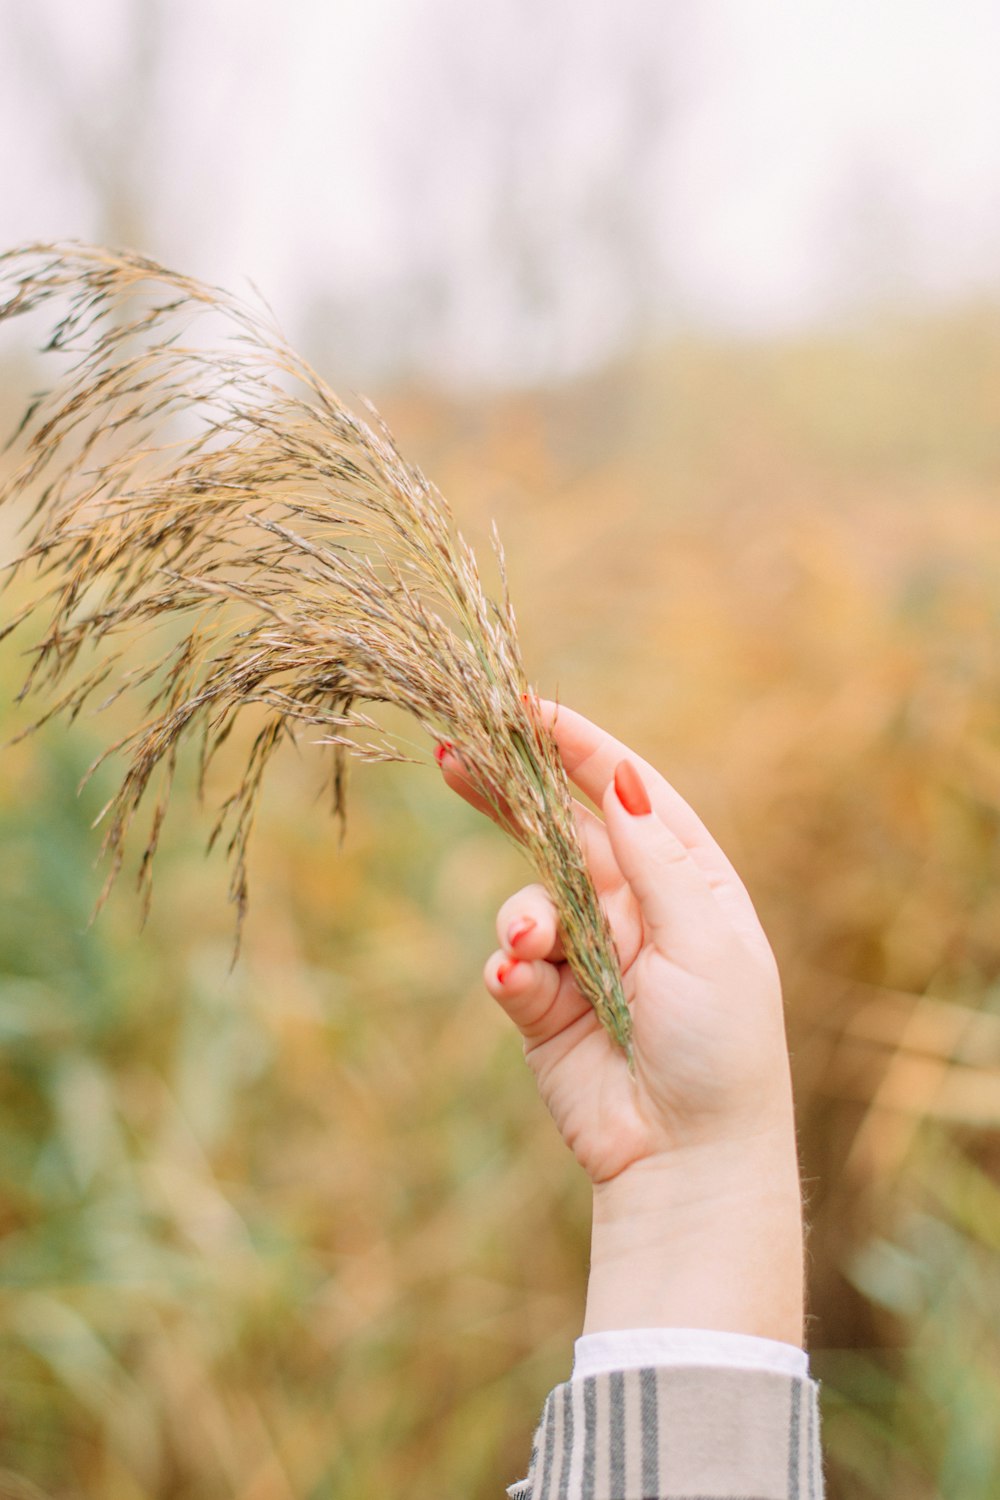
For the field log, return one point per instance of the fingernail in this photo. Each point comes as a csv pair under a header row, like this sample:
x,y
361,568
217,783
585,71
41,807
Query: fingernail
x,y
442,750
504,969
630,791
520,929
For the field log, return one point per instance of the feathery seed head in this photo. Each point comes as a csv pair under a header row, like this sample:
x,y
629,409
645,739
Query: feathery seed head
x,y
218,481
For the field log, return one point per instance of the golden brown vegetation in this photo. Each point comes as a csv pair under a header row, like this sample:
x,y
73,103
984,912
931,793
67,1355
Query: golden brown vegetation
x,y
311,567
302,1231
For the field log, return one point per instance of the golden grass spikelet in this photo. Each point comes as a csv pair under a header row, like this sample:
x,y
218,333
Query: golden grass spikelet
x,y
218,481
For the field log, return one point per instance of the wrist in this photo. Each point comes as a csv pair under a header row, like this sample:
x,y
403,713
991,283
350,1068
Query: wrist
x,y
702,1237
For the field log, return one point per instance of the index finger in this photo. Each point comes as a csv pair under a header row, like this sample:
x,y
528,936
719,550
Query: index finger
x,y
590,756
589,826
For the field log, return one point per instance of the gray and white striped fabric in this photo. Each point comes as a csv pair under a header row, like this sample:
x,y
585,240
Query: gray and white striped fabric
x,y
677,1433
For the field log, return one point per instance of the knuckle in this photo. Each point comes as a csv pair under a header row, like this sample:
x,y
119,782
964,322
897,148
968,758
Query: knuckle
x,y
490,968
669,857
531,901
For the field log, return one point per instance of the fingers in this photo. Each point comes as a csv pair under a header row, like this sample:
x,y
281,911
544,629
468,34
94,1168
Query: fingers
x,y
527,927
680,913
455,775
593,839
676,871
540,998
590,756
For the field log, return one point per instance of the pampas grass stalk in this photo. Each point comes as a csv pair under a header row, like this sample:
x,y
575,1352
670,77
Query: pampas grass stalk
x,y
189,465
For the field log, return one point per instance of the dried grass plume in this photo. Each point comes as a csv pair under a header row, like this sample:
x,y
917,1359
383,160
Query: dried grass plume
x,y
189,464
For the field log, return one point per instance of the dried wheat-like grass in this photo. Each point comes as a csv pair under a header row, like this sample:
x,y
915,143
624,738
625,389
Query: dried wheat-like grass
x,y
219,480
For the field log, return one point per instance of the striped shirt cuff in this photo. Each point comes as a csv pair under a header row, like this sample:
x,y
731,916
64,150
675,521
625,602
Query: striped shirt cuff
x,y
635,1348
675,1433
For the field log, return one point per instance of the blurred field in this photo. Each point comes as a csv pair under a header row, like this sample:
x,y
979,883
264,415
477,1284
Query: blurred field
x,y
302,1232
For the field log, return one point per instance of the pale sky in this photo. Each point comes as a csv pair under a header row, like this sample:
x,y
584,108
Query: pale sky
x,y
515,188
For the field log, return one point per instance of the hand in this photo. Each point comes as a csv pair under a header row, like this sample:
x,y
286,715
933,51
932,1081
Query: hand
x,y
704,1131
699,975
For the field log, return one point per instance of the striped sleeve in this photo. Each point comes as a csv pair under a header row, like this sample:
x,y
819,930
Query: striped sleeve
x,y
677,1433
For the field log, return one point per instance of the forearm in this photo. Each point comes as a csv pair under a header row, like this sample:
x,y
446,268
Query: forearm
x,y
708,1237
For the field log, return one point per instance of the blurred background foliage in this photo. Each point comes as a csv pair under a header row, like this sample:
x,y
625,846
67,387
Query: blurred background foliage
x,y
300,1230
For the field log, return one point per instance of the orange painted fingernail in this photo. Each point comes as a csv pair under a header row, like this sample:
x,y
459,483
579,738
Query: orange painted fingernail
x,y
519,929
504,970
442,750
630,791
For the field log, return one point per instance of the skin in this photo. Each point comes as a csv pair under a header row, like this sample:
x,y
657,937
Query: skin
x,y
697,1208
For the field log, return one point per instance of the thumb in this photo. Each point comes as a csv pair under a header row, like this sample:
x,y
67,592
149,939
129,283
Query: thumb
x,y
679,911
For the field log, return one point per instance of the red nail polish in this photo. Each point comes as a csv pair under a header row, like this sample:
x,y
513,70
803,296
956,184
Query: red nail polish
x,y
504,970
630,791
442,750
520,929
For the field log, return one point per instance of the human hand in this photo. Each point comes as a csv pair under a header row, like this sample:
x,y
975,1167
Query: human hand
x,y
698,1146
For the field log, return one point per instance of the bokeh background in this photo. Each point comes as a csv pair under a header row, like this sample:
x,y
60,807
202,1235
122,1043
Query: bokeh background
x,y
702,304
